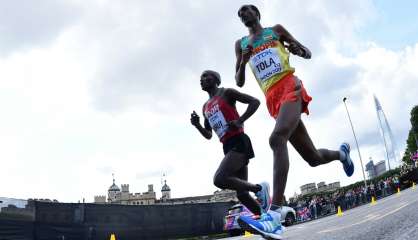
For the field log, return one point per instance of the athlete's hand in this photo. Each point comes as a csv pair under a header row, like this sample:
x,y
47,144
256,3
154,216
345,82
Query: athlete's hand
x,y
235,124
246,54
295,49
194,119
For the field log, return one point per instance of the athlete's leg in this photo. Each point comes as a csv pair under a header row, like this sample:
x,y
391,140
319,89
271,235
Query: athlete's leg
x,y
244,196
303,144
232,174
286,122
226,175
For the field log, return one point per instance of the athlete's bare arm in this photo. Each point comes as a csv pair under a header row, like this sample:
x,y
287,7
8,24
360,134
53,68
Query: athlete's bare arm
x,y
235,96
243,56
293,46
205,131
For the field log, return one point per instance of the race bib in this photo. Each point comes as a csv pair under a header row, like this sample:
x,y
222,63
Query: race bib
x,y
217,121
265,64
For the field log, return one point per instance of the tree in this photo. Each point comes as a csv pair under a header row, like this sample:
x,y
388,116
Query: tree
x,y
411,147
412,141
414,123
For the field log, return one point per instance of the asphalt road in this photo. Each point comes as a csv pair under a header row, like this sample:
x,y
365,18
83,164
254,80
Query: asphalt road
x,y
394,217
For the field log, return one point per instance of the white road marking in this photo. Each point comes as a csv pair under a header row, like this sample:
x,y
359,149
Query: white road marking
x,y
368,218
362,213
393,211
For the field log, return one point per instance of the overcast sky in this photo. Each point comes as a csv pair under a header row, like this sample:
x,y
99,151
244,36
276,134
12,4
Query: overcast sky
x,y
91,88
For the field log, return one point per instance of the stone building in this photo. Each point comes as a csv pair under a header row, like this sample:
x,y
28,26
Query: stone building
x,y
116,195
224,195
308,188
218,196
320,187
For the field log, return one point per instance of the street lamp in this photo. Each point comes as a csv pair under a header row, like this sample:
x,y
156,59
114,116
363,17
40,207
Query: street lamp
x,y
355,138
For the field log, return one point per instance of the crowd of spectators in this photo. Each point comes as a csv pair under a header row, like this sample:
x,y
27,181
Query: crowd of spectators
x,y
326,203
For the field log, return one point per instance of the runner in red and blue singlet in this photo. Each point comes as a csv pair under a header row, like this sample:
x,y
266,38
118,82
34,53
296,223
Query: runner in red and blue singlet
x,y
221,116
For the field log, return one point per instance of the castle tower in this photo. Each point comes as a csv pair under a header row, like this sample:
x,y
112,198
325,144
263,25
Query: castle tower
x,y
165,191
113,193
125,187
124,195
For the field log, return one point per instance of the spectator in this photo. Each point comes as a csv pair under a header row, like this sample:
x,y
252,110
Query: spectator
x,y
312,207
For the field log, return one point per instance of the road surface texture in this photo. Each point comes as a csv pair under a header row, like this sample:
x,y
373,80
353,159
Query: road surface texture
x,y
393,217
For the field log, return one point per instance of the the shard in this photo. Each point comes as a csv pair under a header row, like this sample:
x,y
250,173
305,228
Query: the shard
x,y
392,160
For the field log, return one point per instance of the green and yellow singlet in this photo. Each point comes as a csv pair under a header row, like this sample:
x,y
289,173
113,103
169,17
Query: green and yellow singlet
x,y
269,60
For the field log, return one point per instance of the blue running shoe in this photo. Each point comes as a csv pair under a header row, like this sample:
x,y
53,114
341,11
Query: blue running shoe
x,y
263,196
268,225
245,227
346,161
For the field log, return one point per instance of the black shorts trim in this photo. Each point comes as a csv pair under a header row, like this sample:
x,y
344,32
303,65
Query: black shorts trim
x,y
239,143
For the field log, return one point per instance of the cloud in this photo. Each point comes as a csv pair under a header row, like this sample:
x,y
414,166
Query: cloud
x,y
26,24
108,86
144,59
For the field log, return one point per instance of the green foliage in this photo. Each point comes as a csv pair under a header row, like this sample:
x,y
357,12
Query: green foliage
x,y
411,147
412,141
414,119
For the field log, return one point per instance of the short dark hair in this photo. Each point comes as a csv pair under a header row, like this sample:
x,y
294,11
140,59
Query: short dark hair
x,y
252,7
215,74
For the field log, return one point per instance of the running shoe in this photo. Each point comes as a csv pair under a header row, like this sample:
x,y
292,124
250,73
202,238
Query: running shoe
x,y
347,162
268,225
263,196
